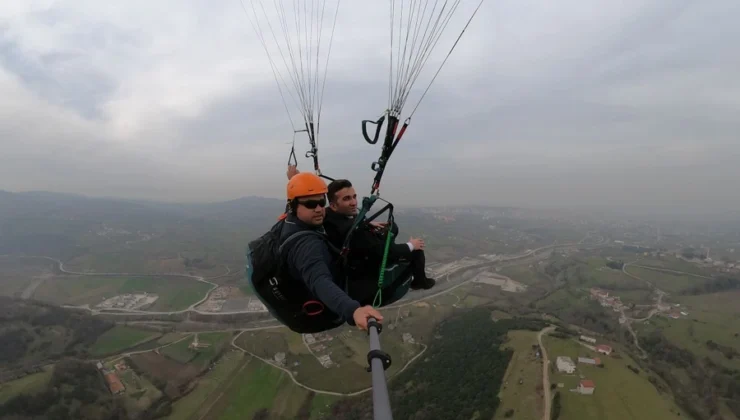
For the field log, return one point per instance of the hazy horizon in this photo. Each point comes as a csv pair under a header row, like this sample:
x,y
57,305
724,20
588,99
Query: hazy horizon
x,y
542,106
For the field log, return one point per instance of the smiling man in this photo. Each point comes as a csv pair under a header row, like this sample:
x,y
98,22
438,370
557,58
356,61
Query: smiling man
x,y
365,242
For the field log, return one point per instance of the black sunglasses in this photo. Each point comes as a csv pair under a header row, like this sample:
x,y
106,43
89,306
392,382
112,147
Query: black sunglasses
x,y
312,204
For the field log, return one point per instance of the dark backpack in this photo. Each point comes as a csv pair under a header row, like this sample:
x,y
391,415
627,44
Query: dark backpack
x,y
286,298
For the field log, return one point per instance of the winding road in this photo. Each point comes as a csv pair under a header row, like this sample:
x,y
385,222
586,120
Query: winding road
x,y
545,373
628,321
320,391
424,295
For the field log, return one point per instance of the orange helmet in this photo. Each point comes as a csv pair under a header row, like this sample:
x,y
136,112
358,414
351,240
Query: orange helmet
x,y
305,183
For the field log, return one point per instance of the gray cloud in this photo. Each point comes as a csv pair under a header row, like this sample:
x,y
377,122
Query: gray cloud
x,y
541,104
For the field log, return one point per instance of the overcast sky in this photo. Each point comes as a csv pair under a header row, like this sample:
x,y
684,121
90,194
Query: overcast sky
x,y
543,103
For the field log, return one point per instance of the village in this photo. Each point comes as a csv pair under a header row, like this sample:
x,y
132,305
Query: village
x,y
607,300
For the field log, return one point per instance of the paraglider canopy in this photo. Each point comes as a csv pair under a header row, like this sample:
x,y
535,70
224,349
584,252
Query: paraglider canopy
x,y
297,37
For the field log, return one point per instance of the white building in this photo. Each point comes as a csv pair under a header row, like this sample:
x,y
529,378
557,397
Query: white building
x,y
586,387
589,361
603,348
565,364
588,339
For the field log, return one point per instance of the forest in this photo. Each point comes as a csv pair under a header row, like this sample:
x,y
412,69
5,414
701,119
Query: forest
x,y
32,333
76,391
459,376
714,384
713,286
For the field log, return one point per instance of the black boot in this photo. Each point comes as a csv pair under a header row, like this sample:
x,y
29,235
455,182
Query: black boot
x,y
425,283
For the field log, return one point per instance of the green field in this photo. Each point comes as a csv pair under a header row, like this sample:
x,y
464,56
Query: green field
x,y
120,338
638,297
522,398
25,385
347,348
201,357
208,387
669,282
711,317
673,263
525,274
242,386
174,293
602,276
140,393
161,341
619,394
180,351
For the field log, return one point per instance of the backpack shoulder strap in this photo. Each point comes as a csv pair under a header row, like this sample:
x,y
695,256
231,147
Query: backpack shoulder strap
x,y
332,247
294,236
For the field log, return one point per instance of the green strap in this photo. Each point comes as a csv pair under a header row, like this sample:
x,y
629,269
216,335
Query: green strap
x,y
378,296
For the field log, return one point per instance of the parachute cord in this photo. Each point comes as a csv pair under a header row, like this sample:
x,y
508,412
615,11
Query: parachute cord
x,y
326,67
377,302
445,60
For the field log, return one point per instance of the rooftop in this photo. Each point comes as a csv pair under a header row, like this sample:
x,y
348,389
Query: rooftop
x,y
114,383
587,383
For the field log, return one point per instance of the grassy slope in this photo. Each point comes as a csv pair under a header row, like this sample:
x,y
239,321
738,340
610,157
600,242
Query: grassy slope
x,y
26,385
711,317
120,338
620,393
208,388
522,398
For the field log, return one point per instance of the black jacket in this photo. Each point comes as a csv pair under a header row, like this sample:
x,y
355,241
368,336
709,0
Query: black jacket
x,y
365,242
309,259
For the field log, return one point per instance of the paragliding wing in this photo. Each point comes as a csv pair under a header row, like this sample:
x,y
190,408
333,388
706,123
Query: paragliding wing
x,y
416,28
297,37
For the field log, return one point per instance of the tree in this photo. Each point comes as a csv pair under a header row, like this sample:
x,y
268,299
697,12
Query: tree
x,y
555,414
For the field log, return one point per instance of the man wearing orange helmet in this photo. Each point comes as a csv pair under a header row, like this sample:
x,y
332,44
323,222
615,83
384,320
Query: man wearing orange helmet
x,y
339,220
309,258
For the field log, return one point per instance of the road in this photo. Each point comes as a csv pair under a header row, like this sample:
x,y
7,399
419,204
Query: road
x,y
425,295
319,391
628,321
545,373
124,312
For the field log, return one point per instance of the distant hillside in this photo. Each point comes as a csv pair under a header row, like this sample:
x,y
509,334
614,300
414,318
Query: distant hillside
x,y
65,225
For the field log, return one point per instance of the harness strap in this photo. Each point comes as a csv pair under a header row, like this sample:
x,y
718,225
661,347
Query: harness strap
x,y
389,145
378,301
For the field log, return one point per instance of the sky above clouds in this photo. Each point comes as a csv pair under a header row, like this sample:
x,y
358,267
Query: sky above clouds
x,y
569,103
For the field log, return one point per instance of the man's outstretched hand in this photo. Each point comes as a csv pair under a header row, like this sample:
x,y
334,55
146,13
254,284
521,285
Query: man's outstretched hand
x,y
363,313
417,243
292,171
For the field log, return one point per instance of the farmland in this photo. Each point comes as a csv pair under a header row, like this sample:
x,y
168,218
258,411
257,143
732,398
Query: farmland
x,y
27,385
525,397
710,317
174,293
669,282
208,387
212,343
619,392
120,338
241,386
346,348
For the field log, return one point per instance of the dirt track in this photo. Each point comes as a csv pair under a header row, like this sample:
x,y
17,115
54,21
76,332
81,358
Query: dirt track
x,y
545,373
